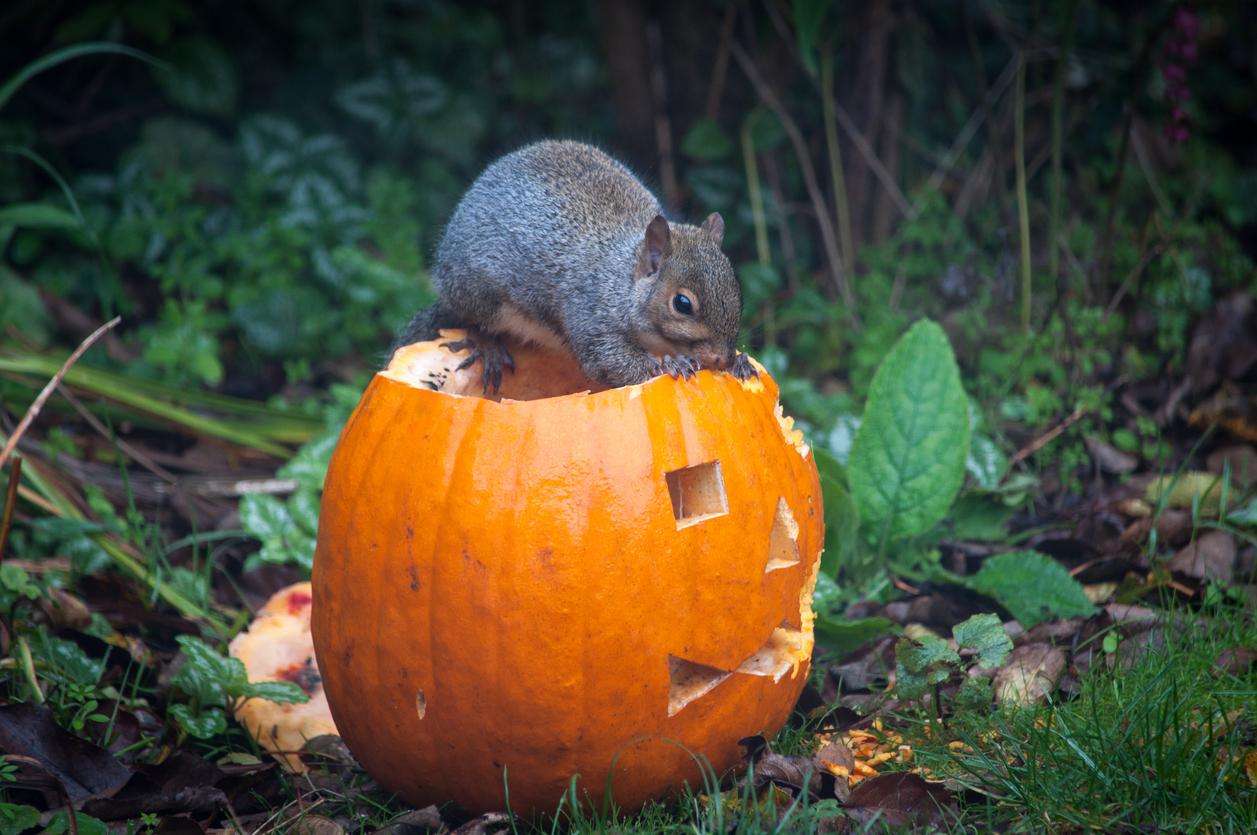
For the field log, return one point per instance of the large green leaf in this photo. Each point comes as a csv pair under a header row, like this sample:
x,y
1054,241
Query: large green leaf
x,y
908,457
1031,586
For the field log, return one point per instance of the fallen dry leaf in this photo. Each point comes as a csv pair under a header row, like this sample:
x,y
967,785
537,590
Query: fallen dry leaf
x,y
1029,675
901,799
84,770
1242,460
1236,660
1210,557
1109,458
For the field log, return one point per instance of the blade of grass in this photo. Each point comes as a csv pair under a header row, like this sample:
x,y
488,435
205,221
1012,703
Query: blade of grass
x,y
68,53
264,437
125,556
287,426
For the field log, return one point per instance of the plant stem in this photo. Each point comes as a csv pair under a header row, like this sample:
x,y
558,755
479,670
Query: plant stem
x,y
10,499
841,205
762,251
1058,111
1023,209
28,668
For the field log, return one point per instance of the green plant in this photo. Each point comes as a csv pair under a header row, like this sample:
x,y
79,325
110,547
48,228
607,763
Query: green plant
x,y
1154,740
213,683
923,664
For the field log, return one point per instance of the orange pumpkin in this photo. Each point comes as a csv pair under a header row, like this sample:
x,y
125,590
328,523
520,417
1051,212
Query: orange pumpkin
x,y
597,584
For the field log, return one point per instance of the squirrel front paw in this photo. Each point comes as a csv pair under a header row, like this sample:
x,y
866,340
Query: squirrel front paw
x,y
678,366
742,369
492,355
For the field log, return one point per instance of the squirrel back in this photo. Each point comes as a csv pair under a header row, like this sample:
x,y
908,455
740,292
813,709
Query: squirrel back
x,y
560,244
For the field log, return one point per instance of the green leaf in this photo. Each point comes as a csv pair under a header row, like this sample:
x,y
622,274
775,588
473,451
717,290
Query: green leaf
x,y
1031,586
974,693
985,634
842,522
986,461
264,516
840,636
284,692
979,518
204,725
65,661
37,216
87,825
920,664
205,675
15,818
808,17
908,457
706,141
203,78
60,56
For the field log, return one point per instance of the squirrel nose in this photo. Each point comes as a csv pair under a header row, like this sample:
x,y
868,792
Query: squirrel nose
x,y
714,359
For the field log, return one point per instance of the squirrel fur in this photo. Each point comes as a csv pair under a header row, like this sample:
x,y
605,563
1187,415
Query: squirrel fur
x,y
559,244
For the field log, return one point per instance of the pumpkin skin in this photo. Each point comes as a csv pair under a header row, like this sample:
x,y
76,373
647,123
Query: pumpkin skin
x,y
506,586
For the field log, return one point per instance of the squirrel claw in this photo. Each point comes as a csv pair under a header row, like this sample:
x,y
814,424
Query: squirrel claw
x,y
490,353
742,369
679,366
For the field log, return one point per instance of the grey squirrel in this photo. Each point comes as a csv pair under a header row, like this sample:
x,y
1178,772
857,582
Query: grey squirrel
x,y
557,243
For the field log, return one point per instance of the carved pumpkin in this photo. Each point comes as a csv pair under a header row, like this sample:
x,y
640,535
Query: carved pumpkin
x,y
597,584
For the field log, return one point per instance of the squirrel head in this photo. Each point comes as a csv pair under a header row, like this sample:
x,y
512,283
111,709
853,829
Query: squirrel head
x,y
688,301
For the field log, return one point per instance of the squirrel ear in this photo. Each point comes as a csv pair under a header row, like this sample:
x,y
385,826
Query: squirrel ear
x,y
714,226
657,245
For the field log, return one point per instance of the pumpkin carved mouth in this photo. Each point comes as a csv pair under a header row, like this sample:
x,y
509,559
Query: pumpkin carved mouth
x,y
560,579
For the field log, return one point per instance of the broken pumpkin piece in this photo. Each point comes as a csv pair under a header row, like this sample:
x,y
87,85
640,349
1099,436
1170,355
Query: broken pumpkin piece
x,y
278,647
567,581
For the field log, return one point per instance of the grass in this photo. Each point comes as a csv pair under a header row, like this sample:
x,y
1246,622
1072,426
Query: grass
x,y
1155,744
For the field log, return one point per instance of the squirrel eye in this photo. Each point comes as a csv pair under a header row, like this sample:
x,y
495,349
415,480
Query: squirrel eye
x,y
681,304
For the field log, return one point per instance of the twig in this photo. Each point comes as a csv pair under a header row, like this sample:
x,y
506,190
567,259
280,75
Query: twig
x,y
663,125
720,67
1043,440
139,457
35,407
828,238
10,500
841,204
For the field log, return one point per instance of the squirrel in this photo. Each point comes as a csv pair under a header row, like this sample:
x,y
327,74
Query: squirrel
x,y
559,244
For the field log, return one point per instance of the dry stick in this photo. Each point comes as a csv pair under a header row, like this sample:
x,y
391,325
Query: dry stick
x,y
10,501
1043,440
720,67
1023,208
663,126
841,204
139,457
828,238
35,407
948,162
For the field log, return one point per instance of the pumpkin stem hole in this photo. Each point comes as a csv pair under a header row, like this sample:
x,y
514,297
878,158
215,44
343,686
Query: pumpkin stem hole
x,y
783,542
689,681
697,493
